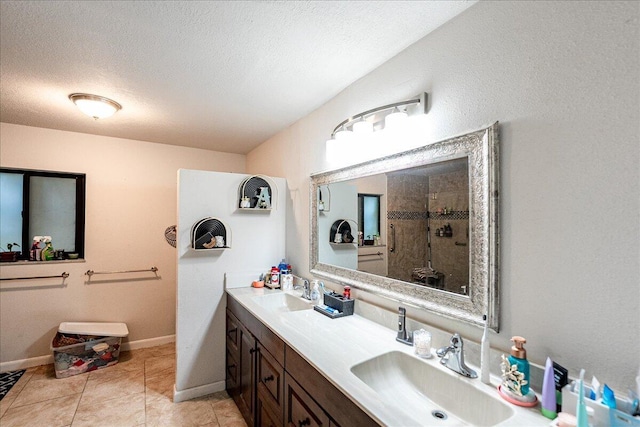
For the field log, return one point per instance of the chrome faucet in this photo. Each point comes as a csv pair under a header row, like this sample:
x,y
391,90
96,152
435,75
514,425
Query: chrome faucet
x,y
452,357
403,335
306,290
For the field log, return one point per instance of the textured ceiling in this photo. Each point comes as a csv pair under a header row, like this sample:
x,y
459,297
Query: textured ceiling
x,y
223,75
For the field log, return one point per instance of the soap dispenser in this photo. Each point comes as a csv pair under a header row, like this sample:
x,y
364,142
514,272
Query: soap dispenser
x,y
518,357
315,293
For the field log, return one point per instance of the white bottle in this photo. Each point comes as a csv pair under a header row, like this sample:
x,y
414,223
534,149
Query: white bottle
x,y
315,293
485,371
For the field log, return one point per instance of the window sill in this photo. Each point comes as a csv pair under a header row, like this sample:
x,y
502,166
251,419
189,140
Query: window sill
x,y
56,261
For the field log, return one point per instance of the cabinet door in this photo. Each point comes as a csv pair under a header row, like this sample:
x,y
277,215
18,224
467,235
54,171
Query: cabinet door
x,y
300,409
232,332
247,352
264,416
270,379
232,360
232,370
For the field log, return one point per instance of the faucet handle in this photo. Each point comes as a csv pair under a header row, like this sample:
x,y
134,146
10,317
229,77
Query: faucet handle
x,y
456,341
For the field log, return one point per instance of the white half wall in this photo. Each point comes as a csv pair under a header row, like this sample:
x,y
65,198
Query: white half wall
x,y
131,200
344,206
257,243
563,79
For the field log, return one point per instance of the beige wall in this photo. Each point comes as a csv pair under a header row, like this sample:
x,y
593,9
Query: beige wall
x,y
131,199
562,79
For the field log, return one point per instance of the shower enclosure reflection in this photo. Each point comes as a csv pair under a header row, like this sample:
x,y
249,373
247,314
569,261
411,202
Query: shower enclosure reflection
x,y
423,223
449,188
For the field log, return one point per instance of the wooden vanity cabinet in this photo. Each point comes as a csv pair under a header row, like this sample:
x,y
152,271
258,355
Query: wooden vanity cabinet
x,y
270,384
300,408
340,410
240,366
274,386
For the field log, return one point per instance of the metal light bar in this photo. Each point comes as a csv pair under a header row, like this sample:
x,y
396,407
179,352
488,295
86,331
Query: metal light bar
x,y
420,103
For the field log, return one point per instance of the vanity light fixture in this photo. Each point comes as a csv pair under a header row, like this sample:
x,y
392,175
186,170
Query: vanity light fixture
x,y
380,117
95,106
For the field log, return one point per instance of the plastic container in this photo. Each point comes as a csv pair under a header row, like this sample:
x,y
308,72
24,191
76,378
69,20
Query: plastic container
x,y
86,346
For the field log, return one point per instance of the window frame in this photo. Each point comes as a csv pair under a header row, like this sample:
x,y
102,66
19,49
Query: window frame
x,y
81,189
361,197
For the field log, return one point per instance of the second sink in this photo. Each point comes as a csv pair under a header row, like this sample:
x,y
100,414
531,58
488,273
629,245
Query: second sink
x,y
433,396
282,302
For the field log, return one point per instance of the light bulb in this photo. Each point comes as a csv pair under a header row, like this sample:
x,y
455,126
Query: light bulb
x,y
363,126
395,118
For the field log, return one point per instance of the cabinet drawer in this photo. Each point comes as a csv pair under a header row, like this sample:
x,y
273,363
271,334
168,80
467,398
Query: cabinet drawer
x,y
341,409
264,416
232,332
271,342
270,382
232,371
300,409
267,338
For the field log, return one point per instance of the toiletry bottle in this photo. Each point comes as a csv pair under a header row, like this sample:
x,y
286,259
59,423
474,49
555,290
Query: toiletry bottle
x,y
485,371
518,357
275,277
549,391
581,407
315,292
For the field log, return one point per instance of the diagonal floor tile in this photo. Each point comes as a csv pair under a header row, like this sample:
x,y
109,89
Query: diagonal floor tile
x,y
43,387
111,385
228,414
121,411
53,412
159,366
10,397
195,412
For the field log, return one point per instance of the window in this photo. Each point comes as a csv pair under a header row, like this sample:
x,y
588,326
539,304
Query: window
x,y
369,215
42,203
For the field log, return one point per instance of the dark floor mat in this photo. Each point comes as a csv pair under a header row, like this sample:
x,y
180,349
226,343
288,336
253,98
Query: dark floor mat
x,y
7,380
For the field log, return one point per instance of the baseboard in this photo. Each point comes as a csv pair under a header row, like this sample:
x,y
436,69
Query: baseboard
x,y
192,393
15,365
150,342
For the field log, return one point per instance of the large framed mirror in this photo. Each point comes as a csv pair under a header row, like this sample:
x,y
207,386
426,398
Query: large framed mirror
x,y
419,227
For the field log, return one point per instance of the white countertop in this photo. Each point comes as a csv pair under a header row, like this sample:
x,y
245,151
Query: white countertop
x,y
333,346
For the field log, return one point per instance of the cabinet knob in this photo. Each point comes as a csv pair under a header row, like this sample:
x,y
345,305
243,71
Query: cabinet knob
x,y
253,350
267,379
305,422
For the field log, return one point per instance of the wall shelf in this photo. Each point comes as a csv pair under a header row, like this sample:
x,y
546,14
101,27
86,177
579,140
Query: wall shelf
x,y
259,192
342,226
206,232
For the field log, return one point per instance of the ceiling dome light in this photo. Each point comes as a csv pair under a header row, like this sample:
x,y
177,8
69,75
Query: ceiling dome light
x,y
95,106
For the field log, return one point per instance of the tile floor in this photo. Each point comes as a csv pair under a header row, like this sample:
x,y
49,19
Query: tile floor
x,y
135,392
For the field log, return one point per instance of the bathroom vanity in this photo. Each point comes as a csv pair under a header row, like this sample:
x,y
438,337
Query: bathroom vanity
x,y
289,365
273,385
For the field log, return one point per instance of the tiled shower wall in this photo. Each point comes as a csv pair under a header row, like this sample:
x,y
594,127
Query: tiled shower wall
x,y
450,255
407,214
411,200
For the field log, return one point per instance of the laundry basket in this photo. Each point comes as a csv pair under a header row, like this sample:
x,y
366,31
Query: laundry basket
x,y
80,347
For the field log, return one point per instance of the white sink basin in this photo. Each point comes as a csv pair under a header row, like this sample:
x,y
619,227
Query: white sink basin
x,y
419,389
282,302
